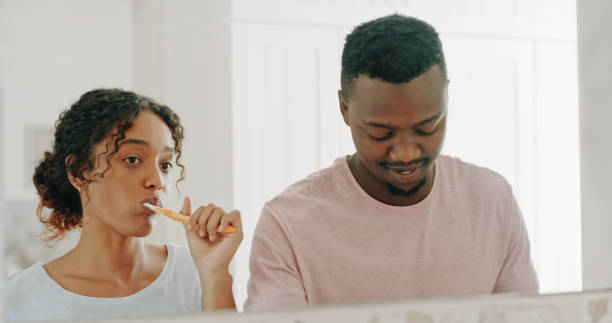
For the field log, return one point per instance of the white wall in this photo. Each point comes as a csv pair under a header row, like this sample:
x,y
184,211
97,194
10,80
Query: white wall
x,y
2,207
51,52
54,51
191,74
149,59
197,53
595,70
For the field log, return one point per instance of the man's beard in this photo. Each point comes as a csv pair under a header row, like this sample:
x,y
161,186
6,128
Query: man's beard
x,y
394,190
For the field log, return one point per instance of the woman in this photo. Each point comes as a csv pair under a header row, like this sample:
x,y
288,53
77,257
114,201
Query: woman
x,y
113,151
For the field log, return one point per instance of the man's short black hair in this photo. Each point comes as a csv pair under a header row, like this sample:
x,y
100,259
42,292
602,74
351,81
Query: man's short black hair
x,y
395,49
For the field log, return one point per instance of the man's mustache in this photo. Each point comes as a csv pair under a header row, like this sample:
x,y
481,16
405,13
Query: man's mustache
x,y
421,161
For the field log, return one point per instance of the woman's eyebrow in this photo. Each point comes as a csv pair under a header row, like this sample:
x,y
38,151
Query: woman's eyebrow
x,y
143,143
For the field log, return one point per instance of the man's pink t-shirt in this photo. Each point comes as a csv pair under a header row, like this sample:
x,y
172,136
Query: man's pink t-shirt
x,y
325,240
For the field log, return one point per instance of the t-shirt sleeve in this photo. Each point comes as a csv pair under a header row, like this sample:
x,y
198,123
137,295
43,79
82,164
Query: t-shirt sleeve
x,y
275,279
517,273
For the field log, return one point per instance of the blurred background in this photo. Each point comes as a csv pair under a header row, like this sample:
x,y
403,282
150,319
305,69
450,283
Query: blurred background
x,y
255,83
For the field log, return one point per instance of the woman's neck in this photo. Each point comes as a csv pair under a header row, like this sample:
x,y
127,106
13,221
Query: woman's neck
x,y
105,253
106,263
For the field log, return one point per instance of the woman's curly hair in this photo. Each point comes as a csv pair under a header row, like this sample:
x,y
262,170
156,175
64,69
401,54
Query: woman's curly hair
x,y
77,131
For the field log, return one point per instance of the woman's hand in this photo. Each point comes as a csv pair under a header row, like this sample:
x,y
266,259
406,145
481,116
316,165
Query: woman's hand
x,y
211,251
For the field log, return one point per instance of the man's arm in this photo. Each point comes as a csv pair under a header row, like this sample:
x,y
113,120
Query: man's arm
x,y
517,273
275,279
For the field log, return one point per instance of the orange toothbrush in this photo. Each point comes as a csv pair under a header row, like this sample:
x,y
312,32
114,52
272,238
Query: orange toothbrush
x,y
182,217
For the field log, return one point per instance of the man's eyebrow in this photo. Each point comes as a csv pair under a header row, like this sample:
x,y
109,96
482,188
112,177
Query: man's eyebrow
x,y
430,119
379,125
142,143
420,123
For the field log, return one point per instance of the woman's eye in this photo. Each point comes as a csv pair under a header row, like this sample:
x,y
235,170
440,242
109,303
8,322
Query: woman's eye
x,y
131,160
166,165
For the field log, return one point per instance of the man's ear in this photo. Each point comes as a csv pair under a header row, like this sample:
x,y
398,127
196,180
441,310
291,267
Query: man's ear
x,y
344,108
77,183
446,83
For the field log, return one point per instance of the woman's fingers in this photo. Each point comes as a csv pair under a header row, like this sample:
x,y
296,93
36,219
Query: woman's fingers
x,y
209,219
186,210
213,223
232,218
192,225
186,206
204,218
199,218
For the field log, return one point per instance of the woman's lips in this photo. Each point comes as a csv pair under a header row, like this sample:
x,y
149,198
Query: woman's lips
x,y
148,211
151,200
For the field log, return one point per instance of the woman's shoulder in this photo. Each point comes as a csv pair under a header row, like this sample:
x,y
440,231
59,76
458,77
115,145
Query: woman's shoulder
x,y
180,268
179,258
31,276
26,290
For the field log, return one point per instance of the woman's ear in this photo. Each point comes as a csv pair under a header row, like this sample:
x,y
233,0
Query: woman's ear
x,y
77,183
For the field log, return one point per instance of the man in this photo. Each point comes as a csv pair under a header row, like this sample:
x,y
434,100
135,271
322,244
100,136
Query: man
x,y
395,219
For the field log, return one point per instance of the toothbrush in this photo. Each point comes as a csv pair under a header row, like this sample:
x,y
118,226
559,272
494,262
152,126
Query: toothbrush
x,y
182,217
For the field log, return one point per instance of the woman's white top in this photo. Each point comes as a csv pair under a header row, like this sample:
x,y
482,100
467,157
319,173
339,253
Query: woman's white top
x,y
31,295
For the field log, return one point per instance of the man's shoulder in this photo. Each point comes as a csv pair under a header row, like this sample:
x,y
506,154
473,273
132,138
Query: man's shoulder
x,y
314,184
326,184
461,173
479,192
